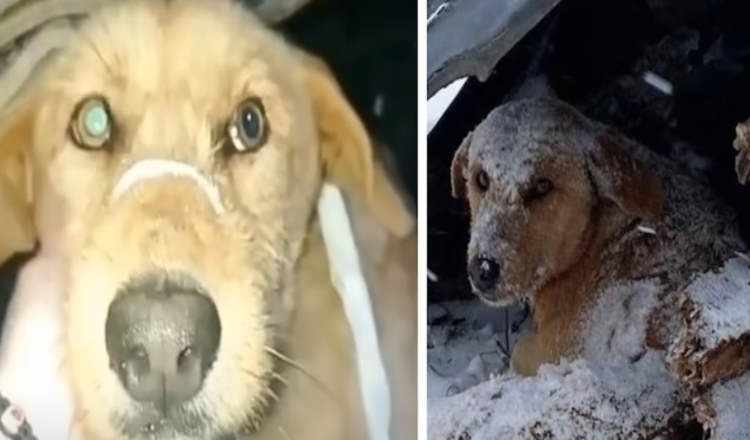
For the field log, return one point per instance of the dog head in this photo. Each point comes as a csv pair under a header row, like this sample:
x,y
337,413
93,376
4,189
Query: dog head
x,y
534,171
172,155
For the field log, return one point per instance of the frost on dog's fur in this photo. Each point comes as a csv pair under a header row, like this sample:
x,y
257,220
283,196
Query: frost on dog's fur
x,y
622,300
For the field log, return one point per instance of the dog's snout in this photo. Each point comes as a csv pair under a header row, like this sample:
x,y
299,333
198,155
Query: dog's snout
x,y
162,338
484,273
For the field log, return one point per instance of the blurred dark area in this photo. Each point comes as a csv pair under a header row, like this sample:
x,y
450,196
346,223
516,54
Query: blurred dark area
x,y
595,56
371,46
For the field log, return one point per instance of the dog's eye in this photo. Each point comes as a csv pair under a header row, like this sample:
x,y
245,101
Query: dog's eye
x,y
482,180
541,187
91,126
248,129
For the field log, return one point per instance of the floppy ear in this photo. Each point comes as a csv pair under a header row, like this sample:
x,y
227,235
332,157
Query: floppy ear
x,y
621,178
347,151
460,161
17,231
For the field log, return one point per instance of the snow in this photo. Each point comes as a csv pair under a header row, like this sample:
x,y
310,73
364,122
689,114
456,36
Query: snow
x,y
440,10
440,101
466,345
615,328
567,401
732,406
723,301
623,390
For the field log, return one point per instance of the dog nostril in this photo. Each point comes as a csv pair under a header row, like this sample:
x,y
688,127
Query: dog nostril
x,y
187,359
488,270
137,363
484,273
162,341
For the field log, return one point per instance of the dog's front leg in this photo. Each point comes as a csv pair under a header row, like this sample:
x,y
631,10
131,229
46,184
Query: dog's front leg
x,y
32,350
528,354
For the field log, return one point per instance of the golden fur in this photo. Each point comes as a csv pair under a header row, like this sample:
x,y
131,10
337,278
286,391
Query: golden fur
x,y
172,72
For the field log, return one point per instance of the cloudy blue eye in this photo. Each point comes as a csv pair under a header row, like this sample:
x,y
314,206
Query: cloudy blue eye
x,y
91,126
248,129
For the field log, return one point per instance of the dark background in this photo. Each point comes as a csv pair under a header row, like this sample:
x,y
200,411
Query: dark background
x,y
371,46
596,52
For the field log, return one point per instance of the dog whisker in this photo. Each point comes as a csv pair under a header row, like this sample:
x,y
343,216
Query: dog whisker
x,y
273,395
280,378
218,144
284,434
301,369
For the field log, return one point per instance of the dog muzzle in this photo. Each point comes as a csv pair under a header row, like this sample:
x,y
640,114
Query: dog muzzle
x,y
346,276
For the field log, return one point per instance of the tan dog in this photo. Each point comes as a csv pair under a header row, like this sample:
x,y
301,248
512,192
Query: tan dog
x,y
169,160
568,214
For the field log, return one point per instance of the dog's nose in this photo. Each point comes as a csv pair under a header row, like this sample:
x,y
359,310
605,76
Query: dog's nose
x,y
162,338
484,274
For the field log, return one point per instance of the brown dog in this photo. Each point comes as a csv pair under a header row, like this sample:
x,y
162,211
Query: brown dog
x,y
567,213
169,161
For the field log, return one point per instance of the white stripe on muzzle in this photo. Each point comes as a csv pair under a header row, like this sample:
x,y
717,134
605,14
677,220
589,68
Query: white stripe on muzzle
x,y
150,169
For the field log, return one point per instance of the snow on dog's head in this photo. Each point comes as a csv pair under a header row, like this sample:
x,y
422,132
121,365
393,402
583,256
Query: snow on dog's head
x,y
540,179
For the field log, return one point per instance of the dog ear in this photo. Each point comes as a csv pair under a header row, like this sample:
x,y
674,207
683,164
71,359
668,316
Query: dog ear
x,y
621,178
347,150
460,161
17,230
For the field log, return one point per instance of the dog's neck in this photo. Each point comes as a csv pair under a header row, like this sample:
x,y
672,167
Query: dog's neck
x,y
559,303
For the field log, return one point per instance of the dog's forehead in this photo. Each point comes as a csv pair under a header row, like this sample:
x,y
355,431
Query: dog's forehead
x,y
182,48
515,138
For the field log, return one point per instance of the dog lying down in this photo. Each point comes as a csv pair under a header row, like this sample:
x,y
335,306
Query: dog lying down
x,y
169,161
600,234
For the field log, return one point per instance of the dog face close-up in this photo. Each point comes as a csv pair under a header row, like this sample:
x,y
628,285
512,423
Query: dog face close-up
x,y
176,175
537,178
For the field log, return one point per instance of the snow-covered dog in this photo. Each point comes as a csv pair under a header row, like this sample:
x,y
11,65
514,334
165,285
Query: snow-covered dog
x,y
596,231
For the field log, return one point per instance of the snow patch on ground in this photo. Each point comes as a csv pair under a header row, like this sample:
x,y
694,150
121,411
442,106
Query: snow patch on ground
x,y
467,344
573,400
623,391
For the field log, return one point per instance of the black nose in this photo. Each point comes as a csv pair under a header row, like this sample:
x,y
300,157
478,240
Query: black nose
x,y
484,274
162,337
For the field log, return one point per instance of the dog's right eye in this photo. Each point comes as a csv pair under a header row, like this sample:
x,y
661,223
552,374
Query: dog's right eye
x,y
482,181
91,126
248,129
